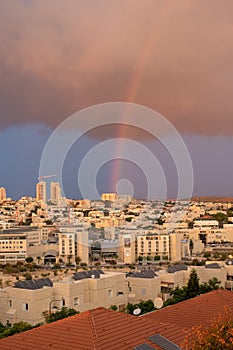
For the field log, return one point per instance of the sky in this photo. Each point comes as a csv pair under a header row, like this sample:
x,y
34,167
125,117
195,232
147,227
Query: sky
x,y
174,56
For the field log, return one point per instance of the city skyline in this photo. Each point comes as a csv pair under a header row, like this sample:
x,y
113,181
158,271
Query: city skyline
x,y
172,57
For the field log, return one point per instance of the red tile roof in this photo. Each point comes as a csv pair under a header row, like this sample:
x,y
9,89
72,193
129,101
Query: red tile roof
x,y
96,329
102,329
200,310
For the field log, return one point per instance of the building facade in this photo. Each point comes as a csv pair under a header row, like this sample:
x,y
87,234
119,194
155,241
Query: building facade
x,y
55,192
2,194
41,191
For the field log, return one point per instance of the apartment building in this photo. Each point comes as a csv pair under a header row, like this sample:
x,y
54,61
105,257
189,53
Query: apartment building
x,y
153,245
179,247
83,291
13,246
143,244
73,243
55,192
143,285
17,243
41,191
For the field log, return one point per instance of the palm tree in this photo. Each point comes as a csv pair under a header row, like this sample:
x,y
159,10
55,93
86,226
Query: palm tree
x,y
78,260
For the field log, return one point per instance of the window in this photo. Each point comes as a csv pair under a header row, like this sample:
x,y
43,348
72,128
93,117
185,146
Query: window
x,y
110,293
120,293
76,301
25,306
63,302
10,303
143,291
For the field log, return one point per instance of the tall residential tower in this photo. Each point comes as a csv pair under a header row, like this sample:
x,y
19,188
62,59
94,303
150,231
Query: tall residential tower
x,y
41,191
55,192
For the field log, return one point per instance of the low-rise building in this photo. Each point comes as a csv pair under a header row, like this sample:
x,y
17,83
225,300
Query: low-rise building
x,y
143,285
83,291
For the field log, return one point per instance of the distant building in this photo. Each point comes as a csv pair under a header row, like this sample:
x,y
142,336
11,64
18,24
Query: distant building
x,y
205,223
41,191
112,197
2,194
73,243
150,246
153,245
13,246
55,192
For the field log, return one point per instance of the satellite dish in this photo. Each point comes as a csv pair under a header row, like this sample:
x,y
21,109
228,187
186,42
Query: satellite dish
x,y
158,303
137,312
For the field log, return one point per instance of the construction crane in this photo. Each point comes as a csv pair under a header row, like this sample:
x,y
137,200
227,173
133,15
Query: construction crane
x,y
41,178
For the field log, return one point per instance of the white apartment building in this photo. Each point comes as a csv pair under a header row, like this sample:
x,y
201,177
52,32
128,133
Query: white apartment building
x,y
83,291
73,243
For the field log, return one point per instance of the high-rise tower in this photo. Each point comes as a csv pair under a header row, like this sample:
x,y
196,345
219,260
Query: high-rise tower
x,y
55,192
41,191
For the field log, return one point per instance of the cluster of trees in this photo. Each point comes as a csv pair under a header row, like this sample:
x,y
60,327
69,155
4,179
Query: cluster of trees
x,y
18,267
8,329
59,315
151,258
144,306
192,289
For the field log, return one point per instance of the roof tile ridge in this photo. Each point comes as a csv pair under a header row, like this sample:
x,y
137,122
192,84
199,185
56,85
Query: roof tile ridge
x,y
95,336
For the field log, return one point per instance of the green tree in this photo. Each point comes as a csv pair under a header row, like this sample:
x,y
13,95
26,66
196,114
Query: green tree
x,y
178,295
27,276
212,284
63,313
221,218
113,307
78,260
192,289
29,259
193,284
191,246
16,328
156,257
144,306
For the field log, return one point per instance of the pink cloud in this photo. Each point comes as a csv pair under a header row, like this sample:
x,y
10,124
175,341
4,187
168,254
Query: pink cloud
x,y
57,57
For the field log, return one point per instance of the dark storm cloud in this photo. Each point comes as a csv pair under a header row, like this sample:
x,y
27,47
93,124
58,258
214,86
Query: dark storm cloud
x,y
57,57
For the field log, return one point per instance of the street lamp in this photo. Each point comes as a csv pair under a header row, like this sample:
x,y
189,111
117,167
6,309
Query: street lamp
x,y
52,301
